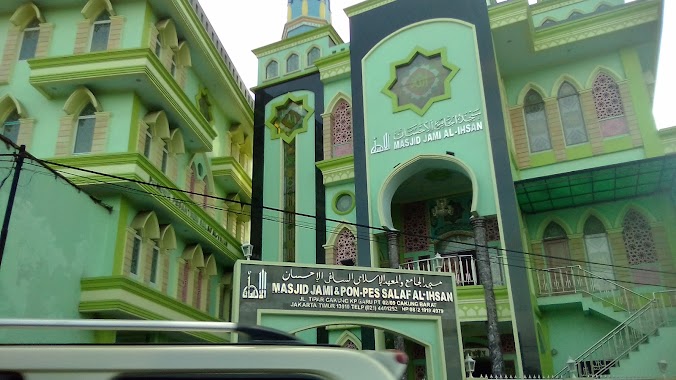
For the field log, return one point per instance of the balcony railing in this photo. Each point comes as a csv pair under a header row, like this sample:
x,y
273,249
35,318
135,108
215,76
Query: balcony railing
x,y
463,266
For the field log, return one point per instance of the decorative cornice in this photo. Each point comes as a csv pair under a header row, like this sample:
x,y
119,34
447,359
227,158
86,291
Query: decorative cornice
x,y
285,78
324,31
93,302
338,170
87,68
229,167
625,17
542,7
365,7
216,52
334,66
508,13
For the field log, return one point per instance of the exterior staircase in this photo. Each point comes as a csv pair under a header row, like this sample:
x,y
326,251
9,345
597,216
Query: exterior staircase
x,y
644,316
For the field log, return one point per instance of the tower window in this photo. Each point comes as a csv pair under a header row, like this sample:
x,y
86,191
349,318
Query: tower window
x,y
293,63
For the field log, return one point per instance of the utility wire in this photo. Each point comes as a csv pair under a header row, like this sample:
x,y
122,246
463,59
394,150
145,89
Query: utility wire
x,y
491,260
241,203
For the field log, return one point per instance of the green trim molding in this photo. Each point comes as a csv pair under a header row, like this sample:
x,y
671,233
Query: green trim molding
x,y
396,106
337,170
506,13
625,16
335,66
324,31
334,202
365,6
229,167
121,237
117,294
277,132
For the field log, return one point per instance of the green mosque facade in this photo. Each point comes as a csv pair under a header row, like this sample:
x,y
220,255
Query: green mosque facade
x,y
456,135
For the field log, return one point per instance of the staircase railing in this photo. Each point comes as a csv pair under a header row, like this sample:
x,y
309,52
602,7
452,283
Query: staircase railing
x,y
574,279
597,360
666,301
646,316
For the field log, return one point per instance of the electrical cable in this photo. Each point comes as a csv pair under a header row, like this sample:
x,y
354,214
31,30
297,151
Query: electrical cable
x,y
241,203
499,260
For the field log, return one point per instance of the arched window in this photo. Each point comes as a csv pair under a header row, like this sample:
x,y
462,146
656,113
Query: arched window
x,y
609,107
29,42
313,55
165,157
135,258
11,125
345,249
148,143
575,15
536,122
574,129
292,63
272,70
154,262
100,32
341,129
556,246
158,46
173,65
184,285
598,253
84,136
638,239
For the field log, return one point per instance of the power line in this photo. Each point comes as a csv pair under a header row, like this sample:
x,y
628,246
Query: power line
x,y
241,203
491,260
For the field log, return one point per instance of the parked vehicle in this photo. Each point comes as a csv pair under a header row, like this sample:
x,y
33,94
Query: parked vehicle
x,y
265,354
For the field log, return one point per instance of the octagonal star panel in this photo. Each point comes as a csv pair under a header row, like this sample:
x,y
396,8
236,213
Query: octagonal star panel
x,y
289,117
420,80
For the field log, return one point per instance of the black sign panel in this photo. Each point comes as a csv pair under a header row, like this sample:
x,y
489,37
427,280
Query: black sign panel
x,y
323,288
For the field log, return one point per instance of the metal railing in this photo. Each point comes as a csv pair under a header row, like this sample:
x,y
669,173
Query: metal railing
x,y
598,359
463,266
646,315
574,279
666,301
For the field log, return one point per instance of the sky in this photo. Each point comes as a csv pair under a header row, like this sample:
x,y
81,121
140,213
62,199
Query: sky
x,y
251,24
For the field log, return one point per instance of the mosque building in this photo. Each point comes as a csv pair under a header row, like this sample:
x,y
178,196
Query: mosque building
x,y
509,143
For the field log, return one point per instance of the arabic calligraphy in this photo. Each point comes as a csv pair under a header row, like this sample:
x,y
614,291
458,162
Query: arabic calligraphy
x,y
382,280
428,131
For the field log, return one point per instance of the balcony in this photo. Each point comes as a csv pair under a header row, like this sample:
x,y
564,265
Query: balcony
x,y
231,176
471,298
131,70
463,266
118,297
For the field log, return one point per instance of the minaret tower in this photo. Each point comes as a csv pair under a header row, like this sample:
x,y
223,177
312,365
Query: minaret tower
x,y
305,15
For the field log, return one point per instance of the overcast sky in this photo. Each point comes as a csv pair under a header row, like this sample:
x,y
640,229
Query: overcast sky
x,y
254,23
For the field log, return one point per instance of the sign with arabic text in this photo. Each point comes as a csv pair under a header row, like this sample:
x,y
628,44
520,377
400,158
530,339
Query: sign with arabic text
x,y
429,131
349,290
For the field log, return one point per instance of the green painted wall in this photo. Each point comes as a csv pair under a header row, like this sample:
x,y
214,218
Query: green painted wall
x,y
568,341
53,242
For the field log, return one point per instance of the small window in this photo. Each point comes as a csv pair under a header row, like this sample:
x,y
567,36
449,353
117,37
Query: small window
x,y
148,143
293,63
272,70
10,128
205,106
313,55
154,264
158,46
84,137
101,32
165,158
536,123
135,254
29,43
344,203
174,65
